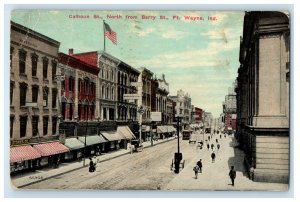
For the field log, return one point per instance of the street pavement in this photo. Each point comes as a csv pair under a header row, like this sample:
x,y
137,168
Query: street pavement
x,y
23,180
215,176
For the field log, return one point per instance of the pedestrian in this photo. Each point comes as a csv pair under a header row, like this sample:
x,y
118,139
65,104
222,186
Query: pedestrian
x,y
92,167
212,146
232,175
208,138
216,140
213,156
218,146
196,170
207,146
220,136
199,164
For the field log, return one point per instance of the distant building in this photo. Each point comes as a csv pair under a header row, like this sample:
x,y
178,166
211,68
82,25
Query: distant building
x,y
161,98
229,110
198,115
146,98
263,95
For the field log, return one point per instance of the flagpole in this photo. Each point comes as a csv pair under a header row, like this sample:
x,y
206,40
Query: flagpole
x,y
104,33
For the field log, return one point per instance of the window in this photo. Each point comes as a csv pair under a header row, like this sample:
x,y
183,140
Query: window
x,y
54,125
107,92
23,126
103,93
79,85
12,85
45,67
86,86
35,91
45,96
71,84
86,112
35,123
34,59
54,97
22,61
112,93
63,84
23,92
112,75
12,119
54,65
11,55
45,125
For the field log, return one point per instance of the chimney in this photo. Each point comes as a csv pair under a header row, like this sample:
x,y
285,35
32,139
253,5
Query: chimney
x,y
70,51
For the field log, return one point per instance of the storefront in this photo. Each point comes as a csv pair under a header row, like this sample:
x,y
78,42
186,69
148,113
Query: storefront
x,y
95,144
75,147
114,139
162,131
51,153
127,134
23,158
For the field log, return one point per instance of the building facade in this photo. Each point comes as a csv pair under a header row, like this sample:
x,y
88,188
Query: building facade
x,y
263,95
161,98
229,111
33,88
146,97
126,109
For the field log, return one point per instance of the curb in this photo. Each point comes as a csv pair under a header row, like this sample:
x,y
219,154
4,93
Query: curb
x,y
77,168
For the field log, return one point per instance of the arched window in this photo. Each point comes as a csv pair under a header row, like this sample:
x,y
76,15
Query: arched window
x,y
107,92
103,92
112,93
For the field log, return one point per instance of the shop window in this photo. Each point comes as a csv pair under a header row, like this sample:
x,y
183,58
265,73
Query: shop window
x,y
54,97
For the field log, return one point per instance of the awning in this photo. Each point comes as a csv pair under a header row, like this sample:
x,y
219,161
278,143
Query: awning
x,y
91,140
23,153
52,148
73,143
126,132
112,136
171,129
145,128
161,129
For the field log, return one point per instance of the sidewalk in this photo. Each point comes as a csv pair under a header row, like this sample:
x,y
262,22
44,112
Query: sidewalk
x,y
214,176
20,181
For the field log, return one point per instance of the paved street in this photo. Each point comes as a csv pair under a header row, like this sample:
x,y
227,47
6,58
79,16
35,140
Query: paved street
x,y
150,170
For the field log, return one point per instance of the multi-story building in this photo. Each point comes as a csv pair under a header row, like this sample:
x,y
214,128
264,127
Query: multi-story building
x,y
108,64
161,98
78,93
198,115
33,96
146,97
170,110
229,110
126,109
263,95
183,107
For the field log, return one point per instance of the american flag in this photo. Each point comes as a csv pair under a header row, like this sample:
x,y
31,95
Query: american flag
x,y
109,33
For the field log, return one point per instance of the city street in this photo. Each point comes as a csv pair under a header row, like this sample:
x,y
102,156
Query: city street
x,y
150,170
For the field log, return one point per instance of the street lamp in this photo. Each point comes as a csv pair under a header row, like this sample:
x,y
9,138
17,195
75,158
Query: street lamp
x,y
178,155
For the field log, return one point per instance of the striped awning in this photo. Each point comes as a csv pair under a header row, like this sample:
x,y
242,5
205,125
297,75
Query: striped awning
x,y
23,153
112,136
73,143
91,140
52,148
126,132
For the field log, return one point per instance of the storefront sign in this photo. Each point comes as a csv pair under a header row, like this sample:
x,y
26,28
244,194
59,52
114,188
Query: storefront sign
x,y
19,142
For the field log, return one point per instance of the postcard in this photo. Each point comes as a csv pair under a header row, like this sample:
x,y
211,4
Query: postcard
x,y
150,100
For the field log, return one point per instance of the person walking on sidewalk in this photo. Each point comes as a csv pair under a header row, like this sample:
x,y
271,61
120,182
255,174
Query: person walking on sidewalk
x,y
213,156
208,146
212,146
232,175
92,167
218,146
199,164
196,170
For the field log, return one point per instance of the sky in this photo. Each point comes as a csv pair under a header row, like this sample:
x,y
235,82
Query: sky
x,y
198,55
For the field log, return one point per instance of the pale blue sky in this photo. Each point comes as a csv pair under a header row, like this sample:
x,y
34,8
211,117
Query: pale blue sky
x,y
199,57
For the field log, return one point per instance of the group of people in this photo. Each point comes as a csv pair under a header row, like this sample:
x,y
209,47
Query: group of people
x,y
198,167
